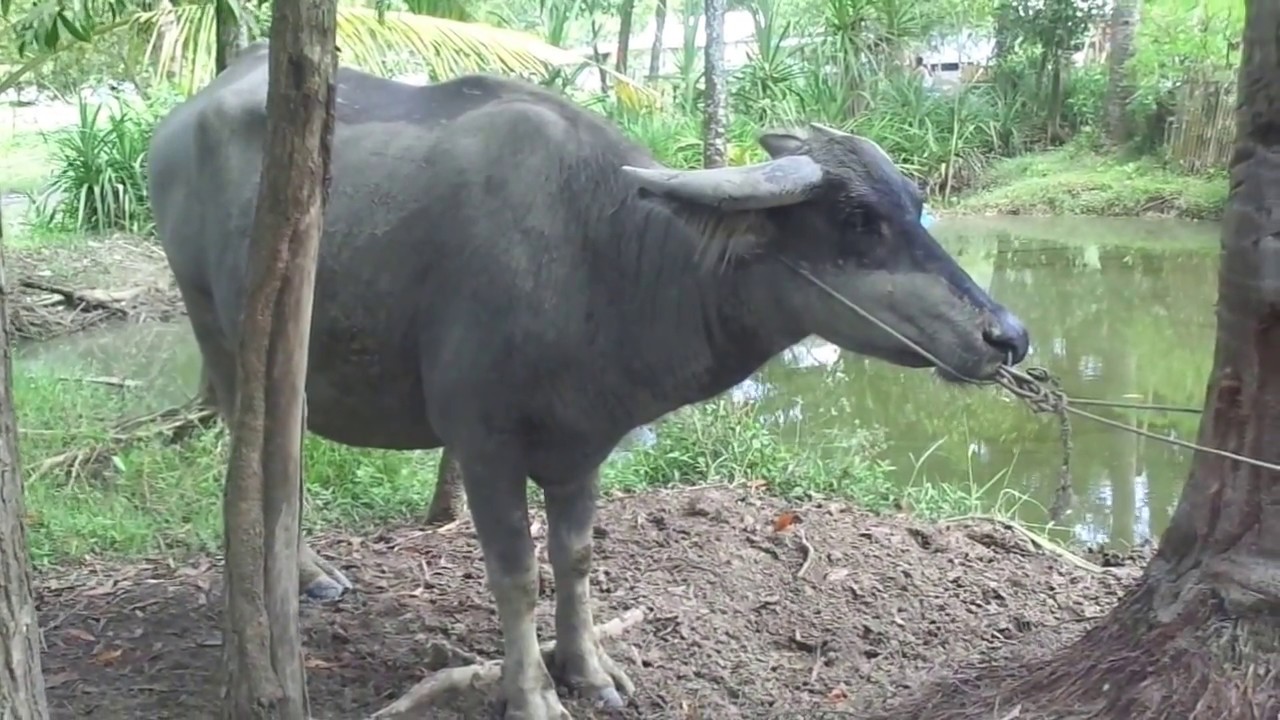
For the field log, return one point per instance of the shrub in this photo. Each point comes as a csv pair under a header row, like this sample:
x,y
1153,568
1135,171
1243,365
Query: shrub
x,y
99,181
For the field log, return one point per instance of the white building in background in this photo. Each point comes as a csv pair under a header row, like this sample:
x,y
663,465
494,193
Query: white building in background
x,y
958,58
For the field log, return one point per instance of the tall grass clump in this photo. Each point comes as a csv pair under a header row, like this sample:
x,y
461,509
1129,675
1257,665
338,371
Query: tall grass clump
x,y
724,441
99,182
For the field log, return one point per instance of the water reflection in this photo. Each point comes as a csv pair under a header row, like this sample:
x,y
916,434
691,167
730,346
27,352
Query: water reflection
x,y
1116,308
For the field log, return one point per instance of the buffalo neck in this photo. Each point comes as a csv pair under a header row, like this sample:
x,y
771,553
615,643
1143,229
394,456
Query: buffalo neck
x,y
684,332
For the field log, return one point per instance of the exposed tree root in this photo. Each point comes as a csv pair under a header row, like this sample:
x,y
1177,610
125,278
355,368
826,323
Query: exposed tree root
x,y
173,424
476,675
1198,665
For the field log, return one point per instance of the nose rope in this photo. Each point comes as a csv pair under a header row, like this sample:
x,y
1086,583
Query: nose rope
x,y
876,321
1037,387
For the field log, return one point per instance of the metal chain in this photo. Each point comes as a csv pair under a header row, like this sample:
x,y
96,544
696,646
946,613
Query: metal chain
x,y
1036,386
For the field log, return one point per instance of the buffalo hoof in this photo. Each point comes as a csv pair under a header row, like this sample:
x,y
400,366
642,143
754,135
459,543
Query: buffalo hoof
x,y
593,675
534,704
319,579
324,589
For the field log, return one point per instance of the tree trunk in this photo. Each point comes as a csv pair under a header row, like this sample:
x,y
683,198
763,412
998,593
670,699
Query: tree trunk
x,y
655,51
715,99
1123,29
1199,637
624,34
232,36
21,681
263,658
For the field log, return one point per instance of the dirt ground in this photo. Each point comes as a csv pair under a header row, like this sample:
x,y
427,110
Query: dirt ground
x,y
838,611
58,291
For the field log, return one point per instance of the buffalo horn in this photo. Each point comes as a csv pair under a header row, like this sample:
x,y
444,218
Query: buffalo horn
x,y
785,181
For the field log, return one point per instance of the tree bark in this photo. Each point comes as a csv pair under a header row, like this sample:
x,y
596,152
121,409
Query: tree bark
x,y
22,695
1199,636
624,34
655,50
716,99
232,36
1123,29
263,659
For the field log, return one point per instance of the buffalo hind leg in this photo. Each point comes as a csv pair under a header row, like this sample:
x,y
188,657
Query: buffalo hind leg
x,y
317,578
580,663
444,500
497,496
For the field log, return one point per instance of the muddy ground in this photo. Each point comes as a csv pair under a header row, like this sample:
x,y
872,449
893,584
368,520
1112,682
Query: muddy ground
x,y
839,611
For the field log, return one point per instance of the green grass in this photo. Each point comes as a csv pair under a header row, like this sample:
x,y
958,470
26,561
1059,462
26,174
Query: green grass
x,y
1074,181
153,497
25,163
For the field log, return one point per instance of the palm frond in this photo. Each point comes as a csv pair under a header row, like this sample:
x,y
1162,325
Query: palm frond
x,y
444,47
185,37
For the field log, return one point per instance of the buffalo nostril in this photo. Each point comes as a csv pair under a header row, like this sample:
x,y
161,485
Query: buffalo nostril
x,y
1009,336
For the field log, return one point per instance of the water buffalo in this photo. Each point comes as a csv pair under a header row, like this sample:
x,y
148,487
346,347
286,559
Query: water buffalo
x,y
505,275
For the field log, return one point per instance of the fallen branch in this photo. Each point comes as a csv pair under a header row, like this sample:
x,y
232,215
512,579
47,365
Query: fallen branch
x,y
44,320
474,676
808,553
103,380
1035,540
109,300
175,423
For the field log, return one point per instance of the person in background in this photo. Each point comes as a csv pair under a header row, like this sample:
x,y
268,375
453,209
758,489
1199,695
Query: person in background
x,y
926,76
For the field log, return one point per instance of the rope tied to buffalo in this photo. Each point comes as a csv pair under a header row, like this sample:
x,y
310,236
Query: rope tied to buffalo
x,y
1035,386
1043,393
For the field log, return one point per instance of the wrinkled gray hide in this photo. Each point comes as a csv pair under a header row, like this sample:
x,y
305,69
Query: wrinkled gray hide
x,y
504,274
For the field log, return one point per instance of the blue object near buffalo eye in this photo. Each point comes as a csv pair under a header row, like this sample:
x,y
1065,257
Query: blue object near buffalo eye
x,y
926,219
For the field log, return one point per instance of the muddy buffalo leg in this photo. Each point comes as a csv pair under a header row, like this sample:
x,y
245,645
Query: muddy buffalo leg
x,y
580,663
496,494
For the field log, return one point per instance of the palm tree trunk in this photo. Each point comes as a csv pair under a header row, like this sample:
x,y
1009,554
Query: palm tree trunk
x,y
624,34
1123,29
715,100
655,51
22,694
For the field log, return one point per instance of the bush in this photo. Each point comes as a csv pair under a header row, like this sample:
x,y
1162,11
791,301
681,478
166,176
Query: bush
x,y
99,182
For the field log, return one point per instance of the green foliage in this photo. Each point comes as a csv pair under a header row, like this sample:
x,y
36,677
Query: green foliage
x,y
839,62
156,496
99,182
1076,181
730,442
24,163
1180,41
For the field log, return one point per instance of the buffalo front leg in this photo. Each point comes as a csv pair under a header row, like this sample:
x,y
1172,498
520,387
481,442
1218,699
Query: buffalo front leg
x,y
496,494
579,661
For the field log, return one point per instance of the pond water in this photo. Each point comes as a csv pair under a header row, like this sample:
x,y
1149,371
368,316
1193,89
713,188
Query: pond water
x,y
1119,309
